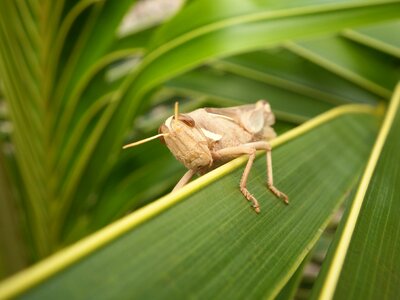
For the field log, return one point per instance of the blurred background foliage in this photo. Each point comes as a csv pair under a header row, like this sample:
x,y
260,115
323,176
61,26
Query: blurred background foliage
x,y
78,79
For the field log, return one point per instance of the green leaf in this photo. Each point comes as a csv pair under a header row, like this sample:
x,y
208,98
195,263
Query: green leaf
x,y
289,291
357,63
91,41
243,27
213,244
287,70
363,262
156,171
13,258
19,64
379,36
56,61
136,40
236,90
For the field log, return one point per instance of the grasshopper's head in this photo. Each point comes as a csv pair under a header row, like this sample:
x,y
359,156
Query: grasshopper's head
x,y
185,140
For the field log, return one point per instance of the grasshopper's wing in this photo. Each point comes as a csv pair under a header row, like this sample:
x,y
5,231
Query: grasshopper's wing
x,y
253,117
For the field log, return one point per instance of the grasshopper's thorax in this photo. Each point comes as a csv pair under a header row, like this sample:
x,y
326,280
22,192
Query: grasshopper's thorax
x,y
187,142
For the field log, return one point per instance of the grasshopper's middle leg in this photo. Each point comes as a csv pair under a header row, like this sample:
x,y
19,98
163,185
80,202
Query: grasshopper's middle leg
x,y
232,151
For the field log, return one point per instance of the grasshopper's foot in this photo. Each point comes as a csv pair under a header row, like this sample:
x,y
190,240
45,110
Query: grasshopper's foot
x,y
251,198
278,193
256,208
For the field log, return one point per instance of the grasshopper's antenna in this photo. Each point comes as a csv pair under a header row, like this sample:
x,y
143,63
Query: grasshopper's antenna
x,y
145,140
176,110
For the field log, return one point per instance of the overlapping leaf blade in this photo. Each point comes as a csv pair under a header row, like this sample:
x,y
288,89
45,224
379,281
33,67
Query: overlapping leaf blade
x,y
368,270
377,232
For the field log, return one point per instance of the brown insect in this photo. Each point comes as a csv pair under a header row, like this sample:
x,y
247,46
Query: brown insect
x,y
209,137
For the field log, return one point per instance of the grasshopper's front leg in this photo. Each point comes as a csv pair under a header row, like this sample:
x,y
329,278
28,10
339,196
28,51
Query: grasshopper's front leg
x,y
185,179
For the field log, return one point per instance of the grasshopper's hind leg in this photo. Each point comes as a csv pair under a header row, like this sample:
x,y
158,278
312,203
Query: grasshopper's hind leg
x,y
270,179
250,149
262,145
232,151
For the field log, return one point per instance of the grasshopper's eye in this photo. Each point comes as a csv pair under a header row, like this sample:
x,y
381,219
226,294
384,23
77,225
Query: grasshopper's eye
x,y
162,129
187,120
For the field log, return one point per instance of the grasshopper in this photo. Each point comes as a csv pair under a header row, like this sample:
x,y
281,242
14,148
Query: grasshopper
x,y
209,137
